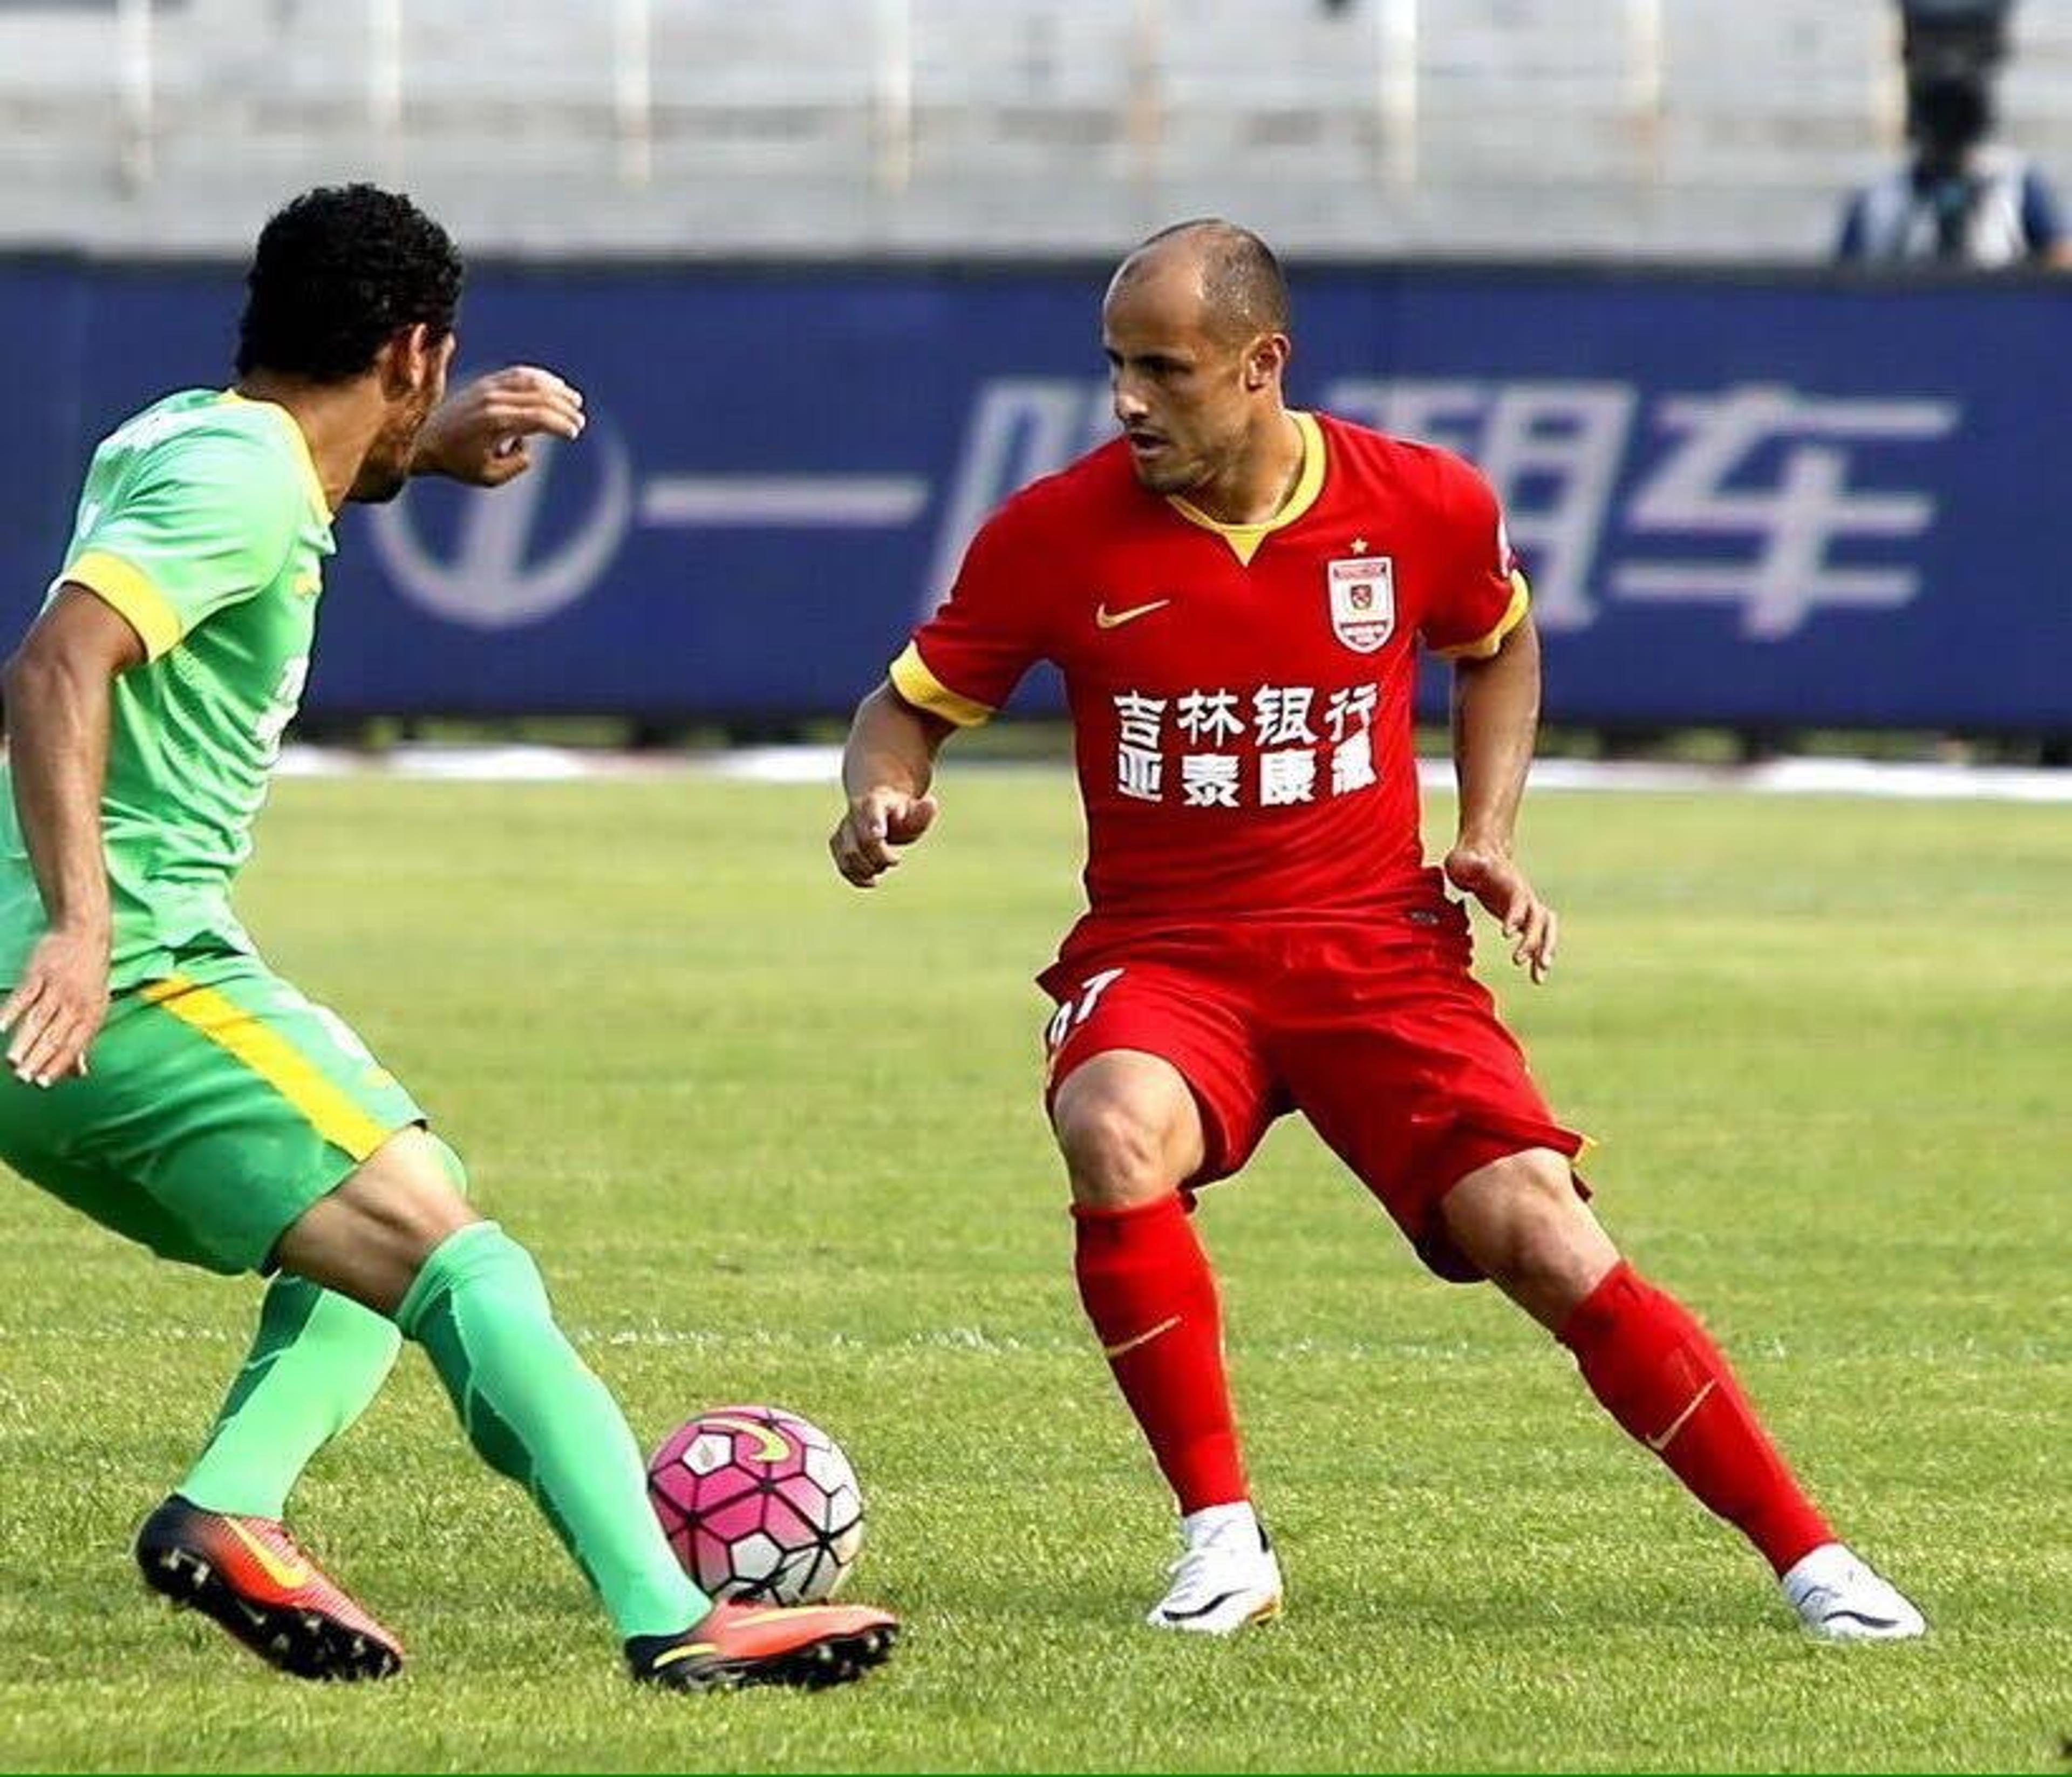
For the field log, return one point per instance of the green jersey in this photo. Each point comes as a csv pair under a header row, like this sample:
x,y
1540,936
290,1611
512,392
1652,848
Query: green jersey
x,y
204,523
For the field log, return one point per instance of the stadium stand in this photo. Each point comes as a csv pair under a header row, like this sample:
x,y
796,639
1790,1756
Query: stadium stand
x,y
1705,128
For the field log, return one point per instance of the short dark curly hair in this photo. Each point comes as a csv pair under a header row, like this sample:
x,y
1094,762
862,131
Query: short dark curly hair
x,y
339,272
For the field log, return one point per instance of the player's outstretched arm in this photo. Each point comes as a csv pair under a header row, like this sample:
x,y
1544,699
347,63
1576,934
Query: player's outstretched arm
x,y
478,435
56,688
887,766
1496,713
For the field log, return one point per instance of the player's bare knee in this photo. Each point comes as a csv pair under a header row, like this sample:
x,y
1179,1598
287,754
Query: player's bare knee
x,y
1554,1257
1520,1221
369,1237
410,1182
1114,1150
449,1162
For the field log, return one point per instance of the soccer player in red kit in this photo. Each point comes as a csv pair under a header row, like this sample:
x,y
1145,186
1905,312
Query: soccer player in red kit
x,y
1235,593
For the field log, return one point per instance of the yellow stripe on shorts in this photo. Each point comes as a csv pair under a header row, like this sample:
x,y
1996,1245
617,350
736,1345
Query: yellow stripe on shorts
x,y
231,1027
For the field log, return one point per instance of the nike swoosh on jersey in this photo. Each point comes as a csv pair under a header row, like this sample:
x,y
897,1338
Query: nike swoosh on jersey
x,y
1105,618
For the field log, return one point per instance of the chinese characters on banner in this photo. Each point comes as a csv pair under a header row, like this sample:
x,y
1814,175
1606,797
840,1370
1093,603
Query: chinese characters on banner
x,y
1753,495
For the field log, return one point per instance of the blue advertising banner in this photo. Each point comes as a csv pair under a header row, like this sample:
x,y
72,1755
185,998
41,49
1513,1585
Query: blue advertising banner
x,y
1764,499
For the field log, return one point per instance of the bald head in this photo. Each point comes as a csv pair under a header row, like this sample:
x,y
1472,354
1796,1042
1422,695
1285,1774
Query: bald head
x,y
1233,273
1195,329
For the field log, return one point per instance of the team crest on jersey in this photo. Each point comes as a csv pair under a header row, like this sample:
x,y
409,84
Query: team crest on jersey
x,y
1363,601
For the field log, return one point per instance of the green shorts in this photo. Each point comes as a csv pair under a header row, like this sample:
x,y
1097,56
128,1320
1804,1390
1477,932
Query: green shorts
x,y
220,1105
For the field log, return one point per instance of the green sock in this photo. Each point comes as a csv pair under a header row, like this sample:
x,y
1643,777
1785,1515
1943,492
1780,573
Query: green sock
x,y
535,1413
317,1361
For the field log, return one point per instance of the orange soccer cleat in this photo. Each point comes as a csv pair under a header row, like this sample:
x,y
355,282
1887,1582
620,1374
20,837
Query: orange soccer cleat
x,y
810,1645
248,1574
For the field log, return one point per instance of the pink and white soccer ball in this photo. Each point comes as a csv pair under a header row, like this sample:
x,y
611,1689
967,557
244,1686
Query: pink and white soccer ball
x,y
758,1503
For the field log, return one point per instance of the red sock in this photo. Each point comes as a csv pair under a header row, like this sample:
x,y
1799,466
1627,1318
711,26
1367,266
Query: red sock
x,y
1148,1291
1662,1378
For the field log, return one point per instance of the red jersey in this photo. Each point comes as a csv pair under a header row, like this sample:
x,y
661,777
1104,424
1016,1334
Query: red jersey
x,y
1240,694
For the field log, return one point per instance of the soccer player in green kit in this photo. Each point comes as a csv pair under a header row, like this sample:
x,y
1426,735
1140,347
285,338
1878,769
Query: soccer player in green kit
x,y
162,1079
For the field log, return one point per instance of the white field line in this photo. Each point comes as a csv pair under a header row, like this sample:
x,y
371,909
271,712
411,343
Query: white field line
x,y
821,765
1963,1357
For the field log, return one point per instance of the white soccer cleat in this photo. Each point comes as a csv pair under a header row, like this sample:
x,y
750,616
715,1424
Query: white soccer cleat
x,y
1225,1578
1838,1598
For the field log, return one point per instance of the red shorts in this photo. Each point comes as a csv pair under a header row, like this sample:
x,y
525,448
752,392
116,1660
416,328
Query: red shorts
x,y
1372,1027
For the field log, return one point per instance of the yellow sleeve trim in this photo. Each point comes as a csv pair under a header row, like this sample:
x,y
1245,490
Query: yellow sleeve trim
x,y
132,595
912,679
1514,614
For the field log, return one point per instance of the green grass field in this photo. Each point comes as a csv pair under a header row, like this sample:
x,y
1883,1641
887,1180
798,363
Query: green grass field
x,y
771,1140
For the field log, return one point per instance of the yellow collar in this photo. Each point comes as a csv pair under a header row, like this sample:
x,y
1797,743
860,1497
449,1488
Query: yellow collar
x,y
1244,539
319,504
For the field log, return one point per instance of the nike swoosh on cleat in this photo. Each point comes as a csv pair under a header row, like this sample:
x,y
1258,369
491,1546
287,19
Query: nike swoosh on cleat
x,y
1658,1444
1858,1616
291,1575
1220,1599
669,1656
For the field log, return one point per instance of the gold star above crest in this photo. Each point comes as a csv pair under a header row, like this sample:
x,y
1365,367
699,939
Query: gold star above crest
x,y
1359,545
